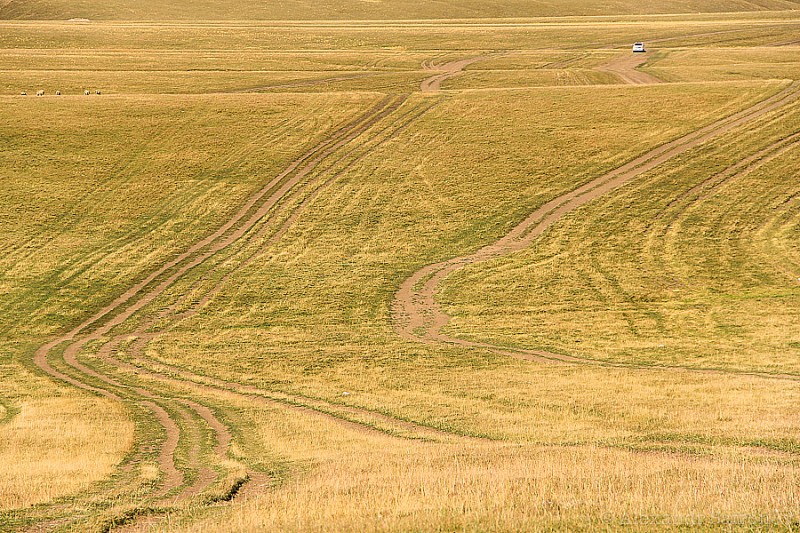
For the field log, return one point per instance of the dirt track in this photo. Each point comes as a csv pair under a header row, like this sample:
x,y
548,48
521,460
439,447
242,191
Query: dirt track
x,y
448,71
144,292
625,68
379,124
415,312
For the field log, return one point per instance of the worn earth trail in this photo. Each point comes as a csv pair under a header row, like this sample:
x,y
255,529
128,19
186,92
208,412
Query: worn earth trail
x,y
625,68
448,70
184,417
151,388
416,313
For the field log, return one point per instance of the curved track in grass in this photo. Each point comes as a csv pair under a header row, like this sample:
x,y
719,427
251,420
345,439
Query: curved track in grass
x,y
449,70
150,386
416,313
625,67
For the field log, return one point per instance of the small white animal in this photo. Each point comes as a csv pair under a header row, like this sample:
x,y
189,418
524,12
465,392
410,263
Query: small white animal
x,y
39,93
97,92
58,93
85,93
23,93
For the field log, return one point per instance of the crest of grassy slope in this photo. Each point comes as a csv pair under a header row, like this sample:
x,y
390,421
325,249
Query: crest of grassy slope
x,y
366,10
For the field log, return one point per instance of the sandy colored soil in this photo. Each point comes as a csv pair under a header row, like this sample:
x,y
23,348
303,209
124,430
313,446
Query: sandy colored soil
x,y
625,68
448,71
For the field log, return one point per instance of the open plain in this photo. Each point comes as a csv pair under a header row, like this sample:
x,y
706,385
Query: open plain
x,y
399,266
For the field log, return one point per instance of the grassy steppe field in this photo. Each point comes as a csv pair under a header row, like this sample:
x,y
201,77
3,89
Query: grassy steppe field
x,y
205,268
364,10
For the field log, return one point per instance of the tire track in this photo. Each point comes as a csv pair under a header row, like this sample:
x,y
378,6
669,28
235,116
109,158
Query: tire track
x,y
676,210
308,83
174,375
418,317
163,208
138,296
671,214
174,478
94,328
221,238
625,68
350,159
700,192
354,418
449,70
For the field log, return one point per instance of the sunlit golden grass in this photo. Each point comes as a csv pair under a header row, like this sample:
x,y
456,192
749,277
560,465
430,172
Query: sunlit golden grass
x,y
692,429
152,59
354,428
136,71
369,10
145,174
431,39
341,480
728,64
94,192
483,79
168,82
475,164
433,488
706,278
56,444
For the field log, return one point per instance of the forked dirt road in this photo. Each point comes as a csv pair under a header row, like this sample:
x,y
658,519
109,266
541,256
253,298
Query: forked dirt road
x,y
625,68
95,328
415,312
388,117
448,71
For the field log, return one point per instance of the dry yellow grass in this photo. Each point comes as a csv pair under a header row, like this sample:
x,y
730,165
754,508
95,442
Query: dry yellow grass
x,y
276,355
705,277
434,488
337,479
728,64
58,443
364,9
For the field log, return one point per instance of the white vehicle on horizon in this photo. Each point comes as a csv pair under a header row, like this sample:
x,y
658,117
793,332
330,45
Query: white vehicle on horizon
x,y
638,47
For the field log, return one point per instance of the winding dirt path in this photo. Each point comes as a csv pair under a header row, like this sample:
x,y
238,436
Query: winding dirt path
x,y
120,388
625,68
258,206
415,312
356,418
448,71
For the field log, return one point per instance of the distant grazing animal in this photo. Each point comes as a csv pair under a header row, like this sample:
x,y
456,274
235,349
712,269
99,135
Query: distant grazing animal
x,y
39,93
58,93
97,92
23,93
85,93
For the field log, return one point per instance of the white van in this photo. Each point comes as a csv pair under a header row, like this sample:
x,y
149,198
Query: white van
x,y
638,47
